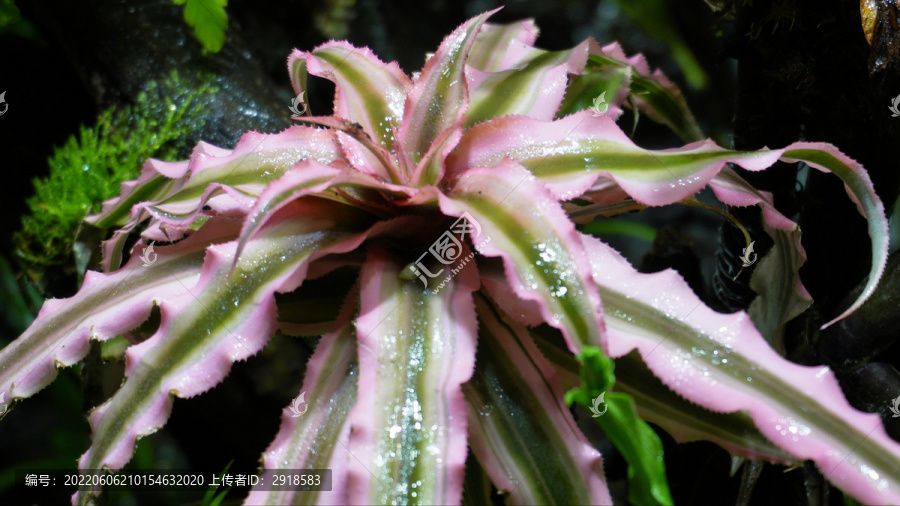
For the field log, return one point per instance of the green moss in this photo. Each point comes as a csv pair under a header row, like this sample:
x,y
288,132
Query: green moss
x,y
89,168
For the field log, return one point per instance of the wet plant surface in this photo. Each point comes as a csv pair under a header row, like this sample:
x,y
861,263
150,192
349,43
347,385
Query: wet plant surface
x,y
767,66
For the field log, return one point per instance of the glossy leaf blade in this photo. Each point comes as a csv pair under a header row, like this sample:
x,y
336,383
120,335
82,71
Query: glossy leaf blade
x,y
106,305
243,173
307,177
536,89
827,158
522,433
318,439
522,223
228,316
641,447
722,363
500,47
439,96
776,278
368,91
312,310
607,87
408,432
656,403
653,93
570,154
431,166
157,181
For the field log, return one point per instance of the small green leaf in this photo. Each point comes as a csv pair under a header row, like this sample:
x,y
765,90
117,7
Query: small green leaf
x,y
584,88
114,349
210,498
632,436
209,21
652,94
655,18
609,227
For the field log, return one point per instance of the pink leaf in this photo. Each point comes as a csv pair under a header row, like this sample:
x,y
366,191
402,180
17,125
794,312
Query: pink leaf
x,y
228,316
416,348
367,90
439,97
318,439
523,224
502,47
512,378
106,305
720,362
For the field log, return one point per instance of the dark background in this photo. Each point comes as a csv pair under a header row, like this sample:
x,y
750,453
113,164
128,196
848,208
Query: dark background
x,y
778,71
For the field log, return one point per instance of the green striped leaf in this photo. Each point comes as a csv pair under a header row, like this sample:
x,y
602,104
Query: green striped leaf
x,y
416,349
227,316
735,432
721,362
152,185
439,97
776,278
609,83
478,487
827,158
318,439
534,89
656,403
522,223
571,154
502,47
368,91
652,93
158,181
243,173
522,433
107,305
312,309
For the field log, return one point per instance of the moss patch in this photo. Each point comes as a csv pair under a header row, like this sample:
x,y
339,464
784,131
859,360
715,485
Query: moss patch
x,y
90,167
